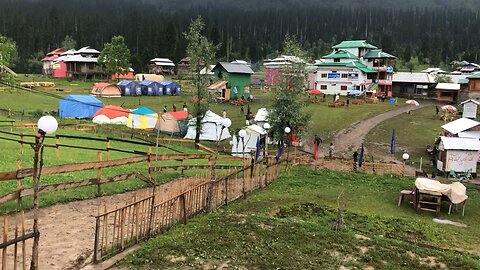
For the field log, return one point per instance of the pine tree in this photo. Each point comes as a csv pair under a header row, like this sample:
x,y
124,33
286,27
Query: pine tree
x,y
202,53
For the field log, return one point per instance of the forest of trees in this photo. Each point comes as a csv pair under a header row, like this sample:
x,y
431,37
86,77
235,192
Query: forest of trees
x,y
252,30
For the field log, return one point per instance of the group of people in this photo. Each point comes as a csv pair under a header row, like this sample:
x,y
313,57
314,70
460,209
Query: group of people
x,y
317,141
174,108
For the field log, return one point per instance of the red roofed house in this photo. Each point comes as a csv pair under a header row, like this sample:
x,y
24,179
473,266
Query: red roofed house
x,y
48,60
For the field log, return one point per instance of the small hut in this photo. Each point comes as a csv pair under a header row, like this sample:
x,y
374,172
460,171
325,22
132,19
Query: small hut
x,y
458,154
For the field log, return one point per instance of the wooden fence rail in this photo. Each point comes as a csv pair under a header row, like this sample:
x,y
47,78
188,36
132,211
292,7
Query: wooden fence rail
x,y
121,228
14,250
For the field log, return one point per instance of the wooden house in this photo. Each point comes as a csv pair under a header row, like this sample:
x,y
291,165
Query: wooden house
x,y
161,66
447,92
410,84
238,77
220,91
83,64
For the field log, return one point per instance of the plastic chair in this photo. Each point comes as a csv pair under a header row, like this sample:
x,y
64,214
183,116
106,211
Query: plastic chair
x,y
452,174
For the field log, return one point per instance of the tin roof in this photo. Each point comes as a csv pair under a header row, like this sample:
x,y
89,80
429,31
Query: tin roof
x,y
460,125
341,54
456,143
378,54
413,77
235,68
354,44
448,86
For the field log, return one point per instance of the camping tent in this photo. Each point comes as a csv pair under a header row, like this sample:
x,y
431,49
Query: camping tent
x,y
150,88
254,133
261,116
173,123
211,128
176,89
142,118
111,114
104,89
168,87
150,77
128,88
78,106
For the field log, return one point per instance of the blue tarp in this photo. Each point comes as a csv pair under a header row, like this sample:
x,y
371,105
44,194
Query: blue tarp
x,y
150,88
128,88
79,106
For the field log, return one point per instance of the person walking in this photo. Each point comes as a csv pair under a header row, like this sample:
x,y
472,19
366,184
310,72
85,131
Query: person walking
x,y
224,114
355,160
165,108
185,108
242,110
317,141
348,102
174,108
436,110
330,150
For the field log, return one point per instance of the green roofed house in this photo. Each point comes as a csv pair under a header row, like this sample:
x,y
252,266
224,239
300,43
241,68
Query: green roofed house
x,y
355,65
238,78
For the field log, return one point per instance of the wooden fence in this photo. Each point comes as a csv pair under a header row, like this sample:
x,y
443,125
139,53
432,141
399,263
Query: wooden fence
x,y
16,251
367,167
121,228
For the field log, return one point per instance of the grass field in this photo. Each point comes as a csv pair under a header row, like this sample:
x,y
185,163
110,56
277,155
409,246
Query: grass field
x,y
412,133
289,226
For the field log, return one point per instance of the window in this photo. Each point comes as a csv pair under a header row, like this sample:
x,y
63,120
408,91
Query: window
x,y
324,75
446,94
336,60
344,75
323,87
343,88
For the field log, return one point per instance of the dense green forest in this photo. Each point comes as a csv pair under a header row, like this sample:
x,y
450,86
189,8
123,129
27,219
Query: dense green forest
x,y
435,31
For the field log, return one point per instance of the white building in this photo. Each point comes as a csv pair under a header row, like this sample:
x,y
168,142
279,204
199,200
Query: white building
x,y
355,65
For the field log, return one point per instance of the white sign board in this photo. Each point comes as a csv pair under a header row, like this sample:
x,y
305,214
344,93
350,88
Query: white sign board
x,y
470,110
461,160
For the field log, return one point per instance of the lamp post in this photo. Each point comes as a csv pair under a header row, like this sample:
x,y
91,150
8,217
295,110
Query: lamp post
x,y
405,157
46,125
266,126
242,134
287,133
226,123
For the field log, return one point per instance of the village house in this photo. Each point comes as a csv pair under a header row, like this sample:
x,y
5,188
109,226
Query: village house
x,y
161,66
410,84
83,64
355,65
458,154
49,59
447,92
238,77
274,67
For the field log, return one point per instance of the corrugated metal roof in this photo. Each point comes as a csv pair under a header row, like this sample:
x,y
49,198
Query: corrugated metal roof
x,y
460,125
448,86
235,68
87,49
469,134
166,60
456,143
354,44
415,77
79,58
463,81
378,54
344,54
474,76
217,85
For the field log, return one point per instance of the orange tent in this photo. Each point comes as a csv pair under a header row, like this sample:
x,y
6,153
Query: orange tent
x,y
111,114
104,89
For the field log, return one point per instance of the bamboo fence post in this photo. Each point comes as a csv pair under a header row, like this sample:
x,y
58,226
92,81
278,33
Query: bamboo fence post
x,y
21,144
24,256
57,150
97,231
108,148
5,239
99,174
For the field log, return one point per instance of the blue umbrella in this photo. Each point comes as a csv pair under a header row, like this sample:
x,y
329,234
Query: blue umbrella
x,y
355,92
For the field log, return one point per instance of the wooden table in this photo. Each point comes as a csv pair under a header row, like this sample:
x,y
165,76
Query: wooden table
x,y
428,201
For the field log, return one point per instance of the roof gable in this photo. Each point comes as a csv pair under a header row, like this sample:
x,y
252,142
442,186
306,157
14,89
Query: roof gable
x,y
235,68
354,44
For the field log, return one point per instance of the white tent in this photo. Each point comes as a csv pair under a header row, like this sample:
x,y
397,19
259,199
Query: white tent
x,y
211,128
103,119
254,133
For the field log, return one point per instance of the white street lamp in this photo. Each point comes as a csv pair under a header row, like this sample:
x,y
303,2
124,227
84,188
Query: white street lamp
x,y
287,130
405,157
46,125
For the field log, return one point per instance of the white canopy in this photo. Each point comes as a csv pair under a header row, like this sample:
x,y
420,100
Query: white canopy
x,y
211,128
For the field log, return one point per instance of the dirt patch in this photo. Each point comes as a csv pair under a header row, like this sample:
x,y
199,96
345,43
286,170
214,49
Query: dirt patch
x,y
341,256
175,259
265,226
363,249
430,261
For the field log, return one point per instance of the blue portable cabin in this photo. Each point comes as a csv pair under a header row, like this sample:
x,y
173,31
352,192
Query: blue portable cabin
x,y
150,88
168,87
79,106
127,88
177,88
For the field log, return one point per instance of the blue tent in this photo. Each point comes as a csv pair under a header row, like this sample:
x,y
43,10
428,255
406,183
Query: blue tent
x,y
128,88
168,87
79,106
177,89
150,88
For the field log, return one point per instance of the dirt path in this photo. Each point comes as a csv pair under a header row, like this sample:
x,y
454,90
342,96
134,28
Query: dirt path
x,y
349,138
67,230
